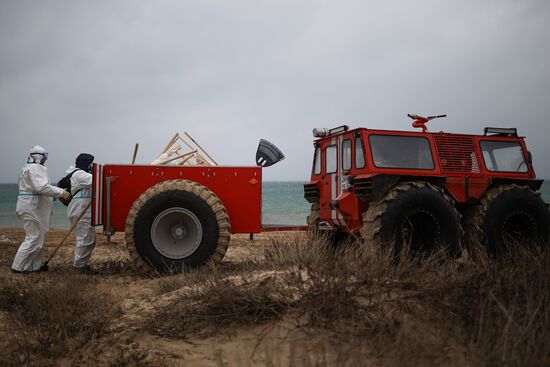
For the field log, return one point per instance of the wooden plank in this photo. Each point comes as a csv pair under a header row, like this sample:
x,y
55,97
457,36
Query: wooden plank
x,y
178,157
201,148
170,143
135,153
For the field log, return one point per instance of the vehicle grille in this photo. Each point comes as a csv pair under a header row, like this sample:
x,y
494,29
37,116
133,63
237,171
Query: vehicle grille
x,y
456,154
311,193
364,188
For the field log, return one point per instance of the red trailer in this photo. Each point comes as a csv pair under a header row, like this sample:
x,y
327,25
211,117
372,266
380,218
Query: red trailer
x,y
178,217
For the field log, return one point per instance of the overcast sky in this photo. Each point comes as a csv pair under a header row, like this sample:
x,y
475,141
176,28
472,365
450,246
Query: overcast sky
x,y
99,76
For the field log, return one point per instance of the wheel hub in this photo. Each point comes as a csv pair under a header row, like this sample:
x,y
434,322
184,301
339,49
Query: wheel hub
x,y
176,233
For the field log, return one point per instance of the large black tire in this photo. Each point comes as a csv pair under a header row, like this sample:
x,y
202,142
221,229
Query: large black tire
x,y
508,214
414,214
176,225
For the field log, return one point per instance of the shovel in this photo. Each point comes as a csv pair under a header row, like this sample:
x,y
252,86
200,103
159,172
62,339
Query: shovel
x,y
45,264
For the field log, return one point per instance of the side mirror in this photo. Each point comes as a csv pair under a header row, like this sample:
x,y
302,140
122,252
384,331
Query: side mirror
x,y
268,154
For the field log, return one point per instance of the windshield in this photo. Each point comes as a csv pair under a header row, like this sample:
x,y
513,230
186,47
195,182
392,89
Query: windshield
x,y
503,156
390,151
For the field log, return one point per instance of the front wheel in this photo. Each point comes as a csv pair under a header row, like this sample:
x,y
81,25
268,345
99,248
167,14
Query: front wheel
x,y
177,225
414,215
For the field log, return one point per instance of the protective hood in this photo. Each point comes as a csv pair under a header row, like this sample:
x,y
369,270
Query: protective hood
x,y
84,161
37,155
37,149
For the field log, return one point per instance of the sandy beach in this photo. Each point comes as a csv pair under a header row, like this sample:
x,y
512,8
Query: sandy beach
x,y
283,299
138,295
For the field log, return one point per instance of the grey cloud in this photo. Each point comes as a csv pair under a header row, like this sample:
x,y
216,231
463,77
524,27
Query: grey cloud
x,y
99,76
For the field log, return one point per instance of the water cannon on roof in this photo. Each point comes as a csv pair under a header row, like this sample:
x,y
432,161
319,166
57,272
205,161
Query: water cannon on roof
x,y
420,121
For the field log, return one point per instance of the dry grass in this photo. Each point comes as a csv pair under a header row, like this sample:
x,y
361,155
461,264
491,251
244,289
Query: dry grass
x,y
507,316
371,309
47,317
219,304
438,312
303,250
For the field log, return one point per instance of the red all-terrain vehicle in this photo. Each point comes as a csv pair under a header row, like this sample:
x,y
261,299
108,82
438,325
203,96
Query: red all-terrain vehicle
x,y
423,189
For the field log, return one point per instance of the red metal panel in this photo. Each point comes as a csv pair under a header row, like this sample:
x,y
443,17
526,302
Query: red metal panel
x,y
477,187
350,209
239,189
457,188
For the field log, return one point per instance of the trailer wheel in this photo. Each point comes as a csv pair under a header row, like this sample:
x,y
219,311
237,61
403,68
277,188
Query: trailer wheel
x,y
176,225
508,214
414,214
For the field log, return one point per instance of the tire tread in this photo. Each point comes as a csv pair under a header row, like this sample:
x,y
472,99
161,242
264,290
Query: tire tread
x,y
224,227
372,217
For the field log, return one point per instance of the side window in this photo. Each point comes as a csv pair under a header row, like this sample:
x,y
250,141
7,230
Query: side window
x,y
317,161
503,156
359,153
330,159
393,151
346,155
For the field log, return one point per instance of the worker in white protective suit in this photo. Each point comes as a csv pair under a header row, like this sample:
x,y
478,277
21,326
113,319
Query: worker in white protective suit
x,y
34,207
81,190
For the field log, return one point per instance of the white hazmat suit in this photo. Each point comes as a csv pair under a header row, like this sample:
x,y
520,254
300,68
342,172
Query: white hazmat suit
x,y
81,189
34,207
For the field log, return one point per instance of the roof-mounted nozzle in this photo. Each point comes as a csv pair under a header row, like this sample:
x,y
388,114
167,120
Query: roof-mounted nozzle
x,y
420,121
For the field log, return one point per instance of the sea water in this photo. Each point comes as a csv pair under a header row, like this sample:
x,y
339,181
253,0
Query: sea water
x,y
282,203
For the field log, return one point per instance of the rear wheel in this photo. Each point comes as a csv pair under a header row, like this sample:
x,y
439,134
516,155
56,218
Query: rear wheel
x,y
177,225
416,215
508,214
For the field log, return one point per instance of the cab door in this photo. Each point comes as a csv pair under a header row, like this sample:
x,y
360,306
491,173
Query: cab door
x,y
336,169
328,179
344,204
